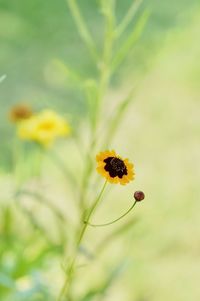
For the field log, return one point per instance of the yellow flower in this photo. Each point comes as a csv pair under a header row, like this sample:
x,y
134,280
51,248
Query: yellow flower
x,y
114,168
44,127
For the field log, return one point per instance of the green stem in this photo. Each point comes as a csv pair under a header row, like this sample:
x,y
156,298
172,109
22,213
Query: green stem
x,y
104,79
128,18
82,28
65,291
105,65
90,213
115,220
85,182
117,117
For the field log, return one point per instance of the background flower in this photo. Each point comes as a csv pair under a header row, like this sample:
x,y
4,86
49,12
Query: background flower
x,y
44,128
20,112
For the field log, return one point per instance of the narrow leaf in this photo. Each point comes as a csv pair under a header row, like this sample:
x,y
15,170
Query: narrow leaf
x,y
68,72
82,28
130,41
128,17
118,116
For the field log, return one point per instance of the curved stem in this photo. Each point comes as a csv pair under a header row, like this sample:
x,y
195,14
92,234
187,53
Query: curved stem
x,y
90,213
114,221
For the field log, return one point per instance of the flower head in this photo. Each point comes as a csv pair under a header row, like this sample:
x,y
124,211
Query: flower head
x,y
44,127
114,168
139,196
20,112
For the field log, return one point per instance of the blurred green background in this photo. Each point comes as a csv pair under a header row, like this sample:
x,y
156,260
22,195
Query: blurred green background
x,y
160,134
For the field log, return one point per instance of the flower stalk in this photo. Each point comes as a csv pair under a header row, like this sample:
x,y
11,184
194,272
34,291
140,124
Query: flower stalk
x,y
65,291
115,220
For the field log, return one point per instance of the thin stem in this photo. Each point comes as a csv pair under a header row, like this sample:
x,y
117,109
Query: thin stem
x,y
130,41
82,28
115,220
105,63
107,51
85,181
90,213
117,118
103,82
65,289
128,18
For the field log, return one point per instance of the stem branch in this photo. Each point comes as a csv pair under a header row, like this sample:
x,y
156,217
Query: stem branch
x,y
115,220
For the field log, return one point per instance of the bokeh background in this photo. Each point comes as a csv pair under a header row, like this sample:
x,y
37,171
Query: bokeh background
x,y
158,257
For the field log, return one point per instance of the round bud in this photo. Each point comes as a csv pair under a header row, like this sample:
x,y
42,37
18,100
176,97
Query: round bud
x,y
139,196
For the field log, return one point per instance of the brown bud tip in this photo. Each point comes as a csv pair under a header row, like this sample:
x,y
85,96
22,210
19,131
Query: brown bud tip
x,y
139,196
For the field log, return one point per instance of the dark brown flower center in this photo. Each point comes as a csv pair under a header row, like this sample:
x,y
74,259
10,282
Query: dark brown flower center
x,y
115,167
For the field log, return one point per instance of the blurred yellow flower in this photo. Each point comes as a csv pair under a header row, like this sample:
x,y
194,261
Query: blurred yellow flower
x,y
114,168
44,128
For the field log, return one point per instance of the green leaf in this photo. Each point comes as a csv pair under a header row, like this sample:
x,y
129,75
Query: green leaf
x,y
82,28
91,92
117,117
67,72
130,41
128,18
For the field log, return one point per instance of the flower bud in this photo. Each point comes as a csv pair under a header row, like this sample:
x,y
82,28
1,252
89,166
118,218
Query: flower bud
x,y
139,196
